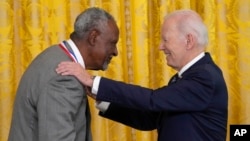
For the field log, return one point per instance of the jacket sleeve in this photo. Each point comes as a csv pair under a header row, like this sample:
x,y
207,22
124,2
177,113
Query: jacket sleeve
x,y
194,89
57,108
137,119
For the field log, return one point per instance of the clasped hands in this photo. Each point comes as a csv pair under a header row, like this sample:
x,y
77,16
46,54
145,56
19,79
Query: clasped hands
x,y
75,69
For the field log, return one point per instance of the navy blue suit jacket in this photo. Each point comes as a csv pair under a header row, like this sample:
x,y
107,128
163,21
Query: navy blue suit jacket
x,y
195,108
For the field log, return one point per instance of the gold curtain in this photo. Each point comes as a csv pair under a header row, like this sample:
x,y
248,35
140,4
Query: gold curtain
x,y
29,26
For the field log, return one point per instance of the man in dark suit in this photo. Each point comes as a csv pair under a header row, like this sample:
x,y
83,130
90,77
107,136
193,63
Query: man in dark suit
x,y
51,107
192,107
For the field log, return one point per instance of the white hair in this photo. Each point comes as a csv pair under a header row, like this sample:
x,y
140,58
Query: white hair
x,y
190,22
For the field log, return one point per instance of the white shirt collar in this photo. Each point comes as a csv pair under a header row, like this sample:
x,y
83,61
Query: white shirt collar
x,y
189,64
76,52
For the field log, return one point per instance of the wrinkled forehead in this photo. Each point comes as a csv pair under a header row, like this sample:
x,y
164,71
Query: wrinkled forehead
x,y
111,31
111,26
114,26
169,25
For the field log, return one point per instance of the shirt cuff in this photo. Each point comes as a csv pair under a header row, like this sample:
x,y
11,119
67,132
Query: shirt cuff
x,y
95,86
102,105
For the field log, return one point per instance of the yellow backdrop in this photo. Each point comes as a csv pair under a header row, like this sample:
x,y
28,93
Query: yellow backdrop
x,y
29,26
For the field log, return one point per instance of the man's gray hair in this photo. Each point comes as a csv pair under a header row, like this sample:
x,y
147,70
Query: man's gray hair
x,y
91,18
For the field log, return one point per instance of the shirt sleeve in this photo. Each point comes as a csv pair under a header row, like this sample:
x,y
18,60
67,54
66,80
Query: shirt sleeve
x,y
95,86
100,105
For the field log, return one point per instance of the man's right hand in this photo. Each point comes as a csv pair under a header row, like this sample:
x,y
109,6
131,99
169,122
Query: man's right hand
x,y
75,69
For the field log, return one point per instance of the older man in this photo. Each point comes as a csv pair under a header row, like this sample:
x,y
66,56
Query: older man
x,y
51,107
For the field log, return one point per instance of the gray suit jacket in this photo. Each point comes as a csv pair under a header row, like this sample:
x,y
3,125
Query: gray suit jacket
x,y
48,106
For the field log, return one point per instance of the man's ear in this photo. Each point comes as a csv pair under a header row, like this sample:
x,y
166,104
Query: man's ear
x,y
92,36
190,41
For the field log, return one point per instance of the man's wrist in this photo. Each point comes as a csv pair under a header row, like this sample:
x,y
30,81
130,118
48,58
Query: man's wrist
x,y
95,84
90,81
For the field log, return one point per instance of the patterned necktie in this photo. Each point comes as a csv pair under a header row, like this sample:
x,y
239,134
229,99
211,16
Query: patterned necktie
x,y
174,79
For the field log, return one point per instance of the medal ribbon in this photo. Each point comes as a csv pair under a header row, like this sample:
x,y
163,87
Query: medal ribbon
x,y
67,51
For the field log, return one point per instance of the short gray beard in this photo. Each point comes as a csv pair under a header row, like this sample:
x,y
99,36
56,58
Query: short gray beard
x,y
105,65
